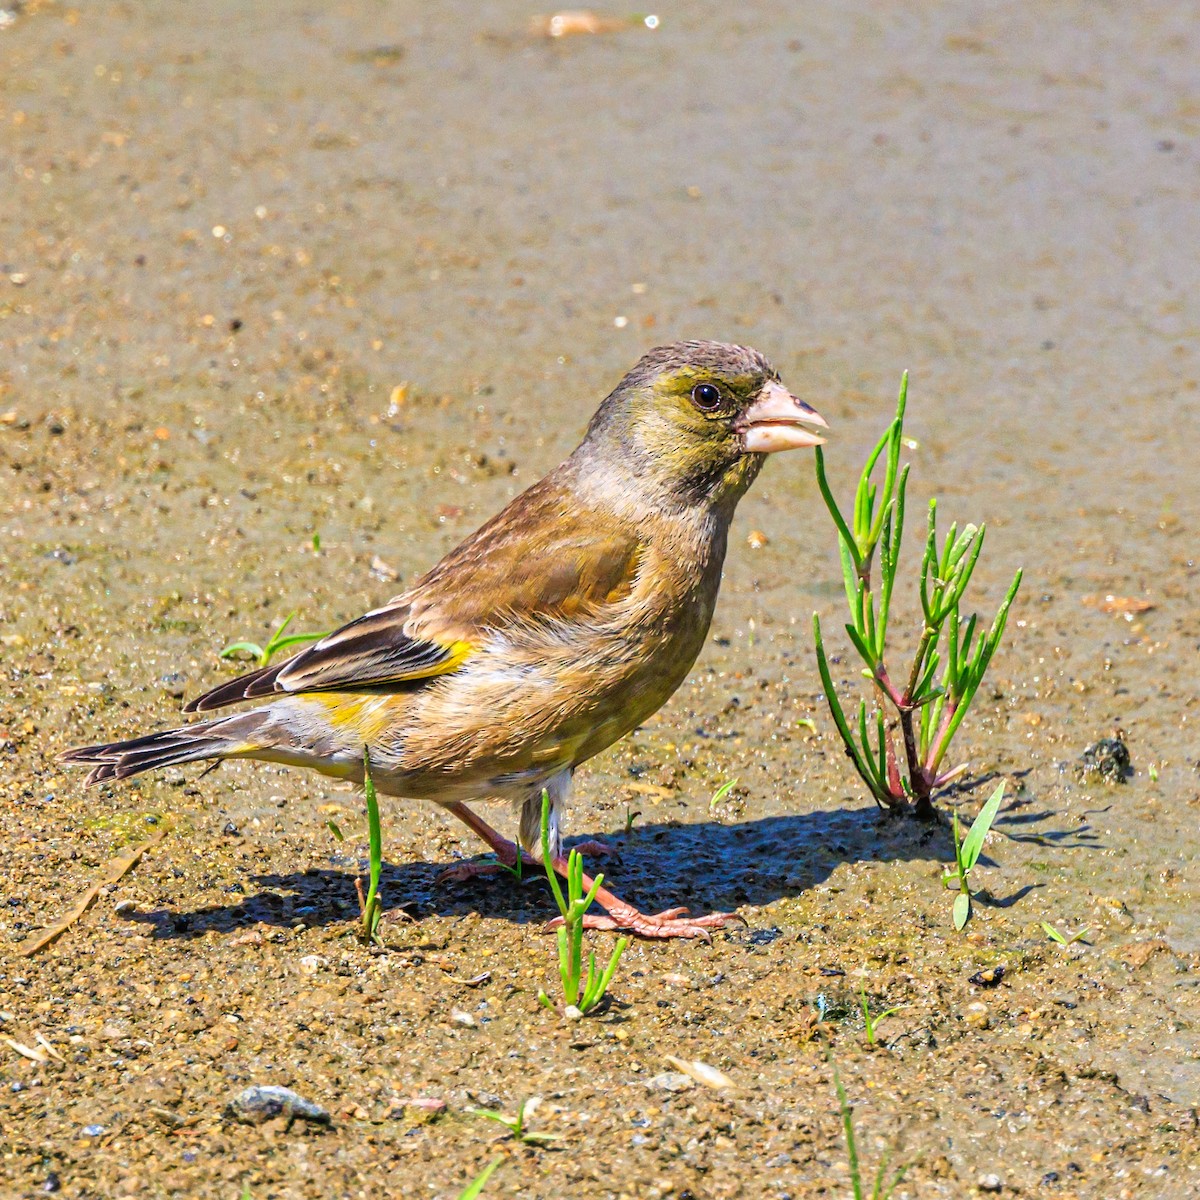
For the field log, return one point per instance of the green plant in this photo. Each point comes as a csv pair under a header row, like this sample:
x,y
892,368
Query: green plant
x,y
581,993
966,854
1062,939
872,1022
721,793
370,906
929,711
474,1189
263,654
516,1125
878,1191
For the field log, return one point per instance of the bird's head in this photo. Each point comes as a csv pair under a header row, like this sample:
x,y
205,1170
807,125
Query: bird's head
x,y
696,419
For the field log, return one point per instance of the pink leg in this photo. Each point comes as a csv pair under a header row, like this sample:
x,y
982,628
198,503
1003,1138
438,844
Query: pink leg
x,y
673,923
506,852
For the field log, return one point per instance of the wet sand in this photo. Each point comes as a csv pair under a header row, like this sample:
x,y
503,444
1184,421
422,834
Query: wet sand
x,y
226,237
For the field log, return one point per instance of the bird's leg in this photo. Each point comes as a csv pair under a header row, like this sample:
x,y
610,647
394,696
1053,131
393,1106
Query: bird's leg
x,y
670,924
506,852
622,916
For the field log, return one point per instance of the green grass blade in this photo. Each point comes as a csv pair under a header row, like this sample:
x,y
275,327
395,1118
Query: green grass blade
x,y
373,907
848,1130
298,639
839,717
844,534
243,648
547,862
877,783
570,982
861,646
972,845
475,1188
962,909
282,626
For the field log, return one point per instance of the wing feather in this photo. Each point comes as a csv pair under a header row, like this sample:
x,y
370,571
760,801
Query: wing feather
x,y
539,557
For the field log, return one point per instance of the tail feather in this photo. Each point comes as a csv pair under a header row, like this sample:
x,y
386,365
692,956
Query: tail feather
x,y
212,739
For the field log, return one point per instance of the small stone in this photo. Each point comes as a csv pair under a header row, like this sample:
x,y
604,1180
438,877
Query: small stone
x,y
1108,759
990,1183
756,539
257,1105
572,1013
671,1081
977,1015
463,1018
310,964
92,1130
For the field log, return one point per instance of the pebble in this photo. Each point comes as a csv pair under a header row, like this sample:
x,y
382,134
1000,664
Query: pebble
x,y
990,1183
256,1105
977,1015
124,907
1107,759
671,1081
463,1018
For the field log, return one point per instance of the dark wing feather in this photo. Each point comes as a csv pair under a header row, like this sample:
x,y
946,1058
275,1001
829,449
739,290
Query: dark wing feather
x,y
372,651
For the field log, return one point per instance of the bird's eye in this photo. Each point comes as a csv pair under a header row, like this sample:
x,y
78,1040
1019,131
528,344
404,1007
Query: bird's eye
x,y
706,397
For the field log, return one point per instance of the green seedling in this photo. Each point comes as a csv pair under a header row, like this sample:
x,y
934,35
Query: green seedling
x,y
1061,938
516,1125
878,1191
872,1022
631,815
929,710
966,854
370,905
807,723
474,1189
316,543
263,654
335,829
580,993
721,793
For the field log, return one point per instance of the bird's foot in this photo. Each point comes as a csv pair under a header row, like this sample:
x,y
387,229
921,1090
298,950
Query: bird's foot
x,y
672,923
480,868
595,849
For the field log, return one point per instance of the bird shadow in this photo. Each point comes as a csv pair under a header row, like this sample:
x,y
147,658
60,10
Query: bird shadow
x,y
706,865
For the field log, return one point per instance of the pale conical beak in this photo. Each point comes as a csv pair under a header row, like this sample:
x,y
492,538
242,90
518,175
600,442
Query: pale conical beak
x,y
776,420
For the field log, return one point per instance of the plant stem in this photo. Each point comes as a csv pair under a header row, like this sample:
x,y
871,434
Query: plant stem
x,y
372,908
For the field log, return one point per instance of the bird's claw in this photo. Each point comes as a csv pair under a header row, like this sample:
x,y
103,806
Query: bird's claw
x,y
480,868
671,923
594,848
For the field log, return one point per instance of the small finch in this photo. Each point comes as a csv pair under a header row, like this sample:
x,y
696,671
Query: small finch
x,y
547,635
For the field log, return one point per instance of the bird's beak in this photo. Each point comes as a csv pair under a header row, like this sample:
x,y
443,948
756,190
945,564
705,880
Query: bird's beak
x,y
776,420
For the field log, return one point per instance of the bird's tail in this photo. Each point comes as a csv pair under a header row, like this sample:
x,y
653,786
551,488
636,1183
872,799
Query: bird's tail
x,y
223,738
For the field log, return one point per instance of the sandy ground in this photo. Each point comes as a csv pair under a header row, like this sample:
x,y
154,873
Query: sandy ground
x,y
228,232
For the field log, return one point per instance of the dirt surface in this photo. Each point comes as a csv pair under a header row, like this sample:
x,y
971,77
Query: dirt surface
x,y
228,232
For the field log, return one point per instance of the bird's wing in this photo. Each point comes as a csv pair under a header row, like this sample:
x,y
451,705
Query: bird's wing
x,y
540,557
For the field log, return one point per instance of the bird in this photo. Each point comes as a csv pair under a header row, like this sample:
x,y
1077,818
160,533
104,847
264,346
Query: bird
x,y
549,633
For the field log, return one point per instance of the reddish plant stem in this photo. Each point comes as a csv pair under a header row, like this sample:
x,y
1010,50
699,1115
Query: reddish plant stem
x,y
937,748
893,769
887,687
